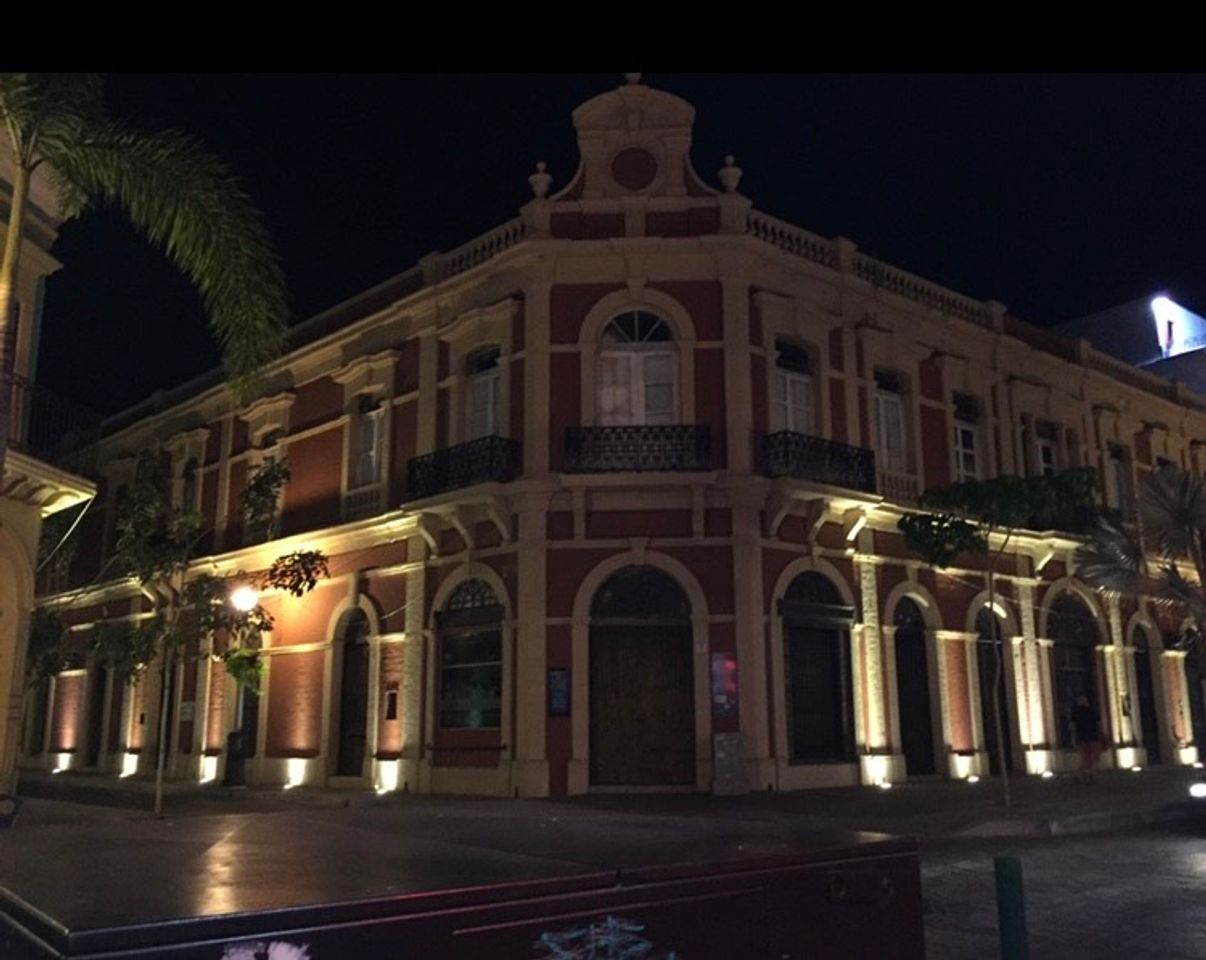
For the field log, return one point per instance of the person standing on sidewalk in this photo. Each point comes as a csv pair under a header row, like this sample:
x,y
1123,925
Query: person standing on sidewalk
x,y
1088,737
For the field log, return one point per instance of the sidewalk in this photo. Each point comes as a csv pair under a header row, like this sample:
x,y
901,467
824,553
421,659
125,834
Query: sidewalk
x,y
1117,800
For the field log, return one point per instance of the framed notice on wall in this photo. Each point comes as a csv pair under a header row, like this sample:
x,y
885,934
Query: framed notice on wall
x,y
724,685
559,693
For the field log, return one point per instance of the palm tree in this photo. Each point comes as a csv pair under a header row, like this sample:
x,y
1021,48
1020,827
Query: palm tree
x,y
1150,559
184,199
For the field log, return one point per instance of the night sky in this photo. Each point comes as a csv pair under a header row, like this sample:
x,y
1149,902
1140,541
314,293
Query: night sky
x,y
1058,195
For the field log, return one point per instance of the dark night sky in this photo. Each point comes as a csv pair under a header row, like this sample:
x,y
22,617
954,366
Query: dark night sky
x,y
1059,195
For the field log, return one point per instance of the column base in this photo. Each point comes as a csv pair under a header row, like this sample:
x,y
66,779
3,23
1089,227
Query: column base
x,y
878,768
530,778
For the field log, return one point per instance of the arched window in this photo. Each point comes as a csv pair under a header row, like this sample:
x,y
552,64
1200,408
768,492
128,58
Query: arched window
x,y
913,688
470,696
637,382
1071,625
816,647
1145,685
641,685
990,641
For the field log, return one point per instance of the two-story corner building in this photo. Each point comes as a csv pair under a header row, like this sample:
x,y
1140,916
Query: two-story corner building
x,y
31,488
611,498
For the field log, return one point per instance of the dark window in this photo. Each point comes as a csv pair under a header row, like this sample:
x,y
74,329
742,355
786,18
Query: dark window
x,y
889,381
640,593
967,408
471,658
816,647
1071,625
480,361
790,356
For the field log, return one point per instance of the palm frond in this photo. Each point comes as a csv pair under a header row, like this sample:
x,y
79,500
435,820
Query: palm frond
x,y
1172,509
1112,559
190,205
1175,590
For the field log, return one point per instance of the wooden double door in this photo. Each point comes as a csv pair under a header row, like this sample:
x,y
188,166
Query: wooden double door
x,y
642,705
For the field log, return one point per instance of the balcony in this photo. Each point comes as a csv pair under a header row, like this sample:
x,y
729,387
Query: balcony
x,y
47,426
898,487
637,449
363,503
788,454
478,461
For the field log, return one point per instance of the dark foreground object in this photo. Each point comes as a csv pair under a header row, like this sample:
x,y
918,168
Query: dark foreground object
x,y
838,896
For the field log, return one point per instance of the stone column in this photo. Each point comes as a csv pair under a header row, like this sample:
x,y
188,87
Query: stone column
x,y
751,621
877,760
1032,682
530,768
410,691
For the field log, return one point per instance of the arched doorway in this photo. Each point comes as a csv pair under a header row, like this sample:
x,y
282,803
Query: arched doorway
x,y
352,633
913,689
988,630
1148,716
816,645
642,694
1071,625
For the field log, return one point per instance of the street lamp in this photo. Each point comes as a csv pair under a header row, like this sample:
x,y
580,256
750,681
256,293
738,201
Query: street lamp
x,y
244,598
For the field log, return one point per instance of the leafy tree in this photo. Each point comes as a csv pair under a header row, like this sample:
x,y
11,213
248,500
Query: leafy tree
x,y
184,199
1150,558
156,545
981,517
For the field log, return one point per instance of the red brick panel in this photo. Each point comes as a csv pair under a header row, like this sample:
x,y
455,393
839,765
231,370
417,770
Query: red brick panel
x,y
931,379
316,402
710,401
1143,447
406,371
837,409
568,306
517,404
389,732
68,714
586,226
215,739
295,689
638,523
837,356
138,712
702,301
184,735
934,446
564,403
558,730
402,449
234,518
312,495
958,696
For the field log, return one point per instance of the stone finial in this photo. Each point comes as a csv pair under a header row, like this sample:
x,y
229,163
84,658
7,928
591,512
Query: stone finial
x,y
540,181
730,175
632,79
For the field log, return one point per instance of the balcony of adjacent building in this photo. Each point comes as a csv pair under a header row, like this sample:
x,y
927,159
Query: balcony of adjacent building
x,y
48,427
491,459
638,448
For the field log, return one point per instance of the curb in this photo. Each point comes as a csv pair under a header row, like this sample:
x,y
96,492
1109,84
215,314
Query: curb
x,y
1079,824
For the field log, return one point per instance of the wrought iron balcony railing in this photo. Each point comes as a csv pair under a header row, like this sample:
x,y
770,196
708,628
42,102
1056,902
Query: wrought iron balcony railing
x,y
45,425
637,449
789,454
363,503
478,461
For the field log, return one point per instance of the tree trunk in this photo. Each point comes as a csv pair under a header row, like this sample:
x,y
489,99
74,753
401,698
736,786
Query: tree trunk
x,y
8,303
166,676
998,671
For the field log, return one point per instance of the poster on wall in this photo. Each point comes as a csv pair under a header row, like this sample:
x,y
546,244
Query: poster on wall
x,y
559,693
724,685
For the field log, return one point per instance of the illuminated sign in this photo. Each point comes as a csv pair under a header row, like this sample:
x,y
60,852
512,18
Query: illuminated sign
x,y
1178,330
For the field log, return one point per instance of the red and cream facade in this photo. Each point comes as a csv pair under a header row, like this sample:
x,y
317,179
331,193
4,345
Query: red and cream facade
x,y
616,485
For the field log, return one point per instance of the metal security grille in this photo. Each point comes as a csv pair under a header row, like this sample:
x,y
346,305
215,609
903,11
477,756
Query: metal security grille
x,y
637,449
478,461
789,454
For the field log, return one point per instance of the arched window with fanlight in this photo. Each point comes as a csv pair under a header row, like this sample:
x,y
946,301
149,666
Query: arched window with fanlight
x,y
637,373
470,658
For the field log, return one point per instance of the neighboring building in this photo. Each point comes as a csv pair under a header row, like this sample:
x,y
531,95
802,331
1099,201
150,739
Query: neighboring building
x,y
30,487
611,497
1154,333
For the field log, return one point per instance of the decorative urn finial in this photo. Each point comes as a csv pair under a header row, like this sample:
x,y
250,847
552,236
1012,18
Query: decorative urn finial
x,y
632,79
730,175
540,181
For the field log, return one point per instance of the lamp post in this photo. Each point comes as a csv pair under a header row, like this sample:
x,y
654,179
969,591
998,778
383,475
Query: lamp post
x,y
243,599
